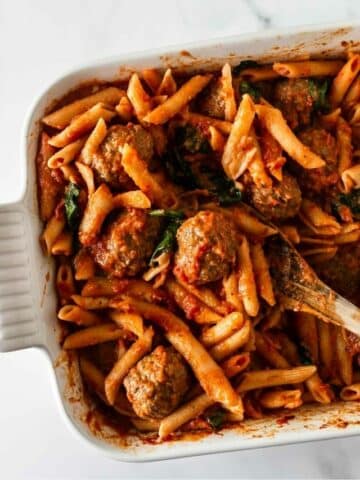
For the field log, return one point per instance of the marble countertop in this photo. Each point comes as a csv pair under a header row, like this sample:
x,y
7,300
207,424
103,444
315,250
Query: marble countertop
x,y
39,40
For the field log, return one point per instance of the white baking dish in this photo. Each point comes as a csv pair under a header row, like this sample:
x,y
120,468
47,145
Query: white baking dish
x,y
27,296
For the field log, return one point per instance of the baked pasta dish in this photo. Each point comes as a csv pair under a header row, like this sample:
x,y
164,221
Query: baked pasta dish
x,y
166,279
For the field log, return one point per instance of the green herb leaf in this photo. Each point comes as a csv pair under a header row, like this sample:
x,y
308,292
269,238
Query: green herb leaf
x,y
305,356
190,139
222,187
351,200
247,87
168,241
216,419
244,65
179,170
318,90
173,214
72,210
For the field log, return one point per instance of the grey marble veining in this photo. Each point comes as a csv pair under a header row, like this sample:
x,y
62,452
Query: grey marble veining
x,y
39,40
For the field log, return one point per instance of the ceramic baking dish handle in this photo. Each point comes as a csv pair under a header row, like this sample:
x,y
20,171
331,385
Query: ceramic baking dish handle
x,y
19,327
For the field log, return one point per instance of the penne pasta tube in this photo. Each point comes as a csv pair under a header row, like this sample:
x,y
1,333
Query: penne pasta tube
x,y
182,415
343,137
273,319
351,178
152,78
160,139
267,350
53,229
308,68
93,141
350,392
91,303
121,368
321,392
247,285
343,356
209,374
252,409
327,230
204,122
262,273
63,244
70,173
350,237
231,344
193,308
160,270
256,166
352,96
228,93
92,336
138,171
145,425
341,83
272,154
325,349
106,287
87,175
249,224
84,265
317,216
239,149
168,85
139,99
329,120
132,199
81,125
217,140
281,399
273,378
274,121
124,109
99,206
66,154
62,117
223,329
291,233
319,251
78,315
130,321
178,101
306,329
236,364
259,74
65,284
232,294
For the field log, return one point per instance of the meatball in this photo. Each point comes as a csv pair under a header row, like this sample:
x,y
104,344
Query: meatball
x,y
294,98
157,383
342,272
323,144
206,248
107,160
280,201
211,101
127,243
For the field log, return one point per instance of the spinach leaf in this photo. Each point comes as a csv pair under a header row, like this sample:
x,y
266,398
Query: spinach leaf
x,y
216,419
168,240
318,90
222,187
244,65
190,139
351,200
72,210
254,92
179,170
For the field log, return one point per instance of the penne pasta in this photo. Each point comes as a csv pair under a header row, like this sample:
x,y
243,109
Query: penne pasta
x,y
247,285
223,329
232,294
130,321
84,265
343,136
168,85
262,273
178,100
274,122
343,357
259,74
249,224
309,68
63,244
81,125
92,336
99,206
228,93
351,178
65,284
281,399
139,99
88,177
66,154
93,141
343,80
350,393
204,122
62,117
124,109
231,344
273,378
268,351
53,229
132,199
91,303
78,315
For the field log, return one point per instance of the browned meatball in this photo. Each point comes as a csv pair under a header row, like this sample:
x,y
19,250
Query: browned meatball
x,y
156,385
107,160
293,98
342,272
207,248
280,201
323,144
211,102
127,244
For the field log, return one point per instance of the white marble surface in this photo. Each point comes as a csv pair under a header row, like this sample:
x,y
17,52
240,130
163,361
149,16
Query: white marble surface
x,y
40,39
